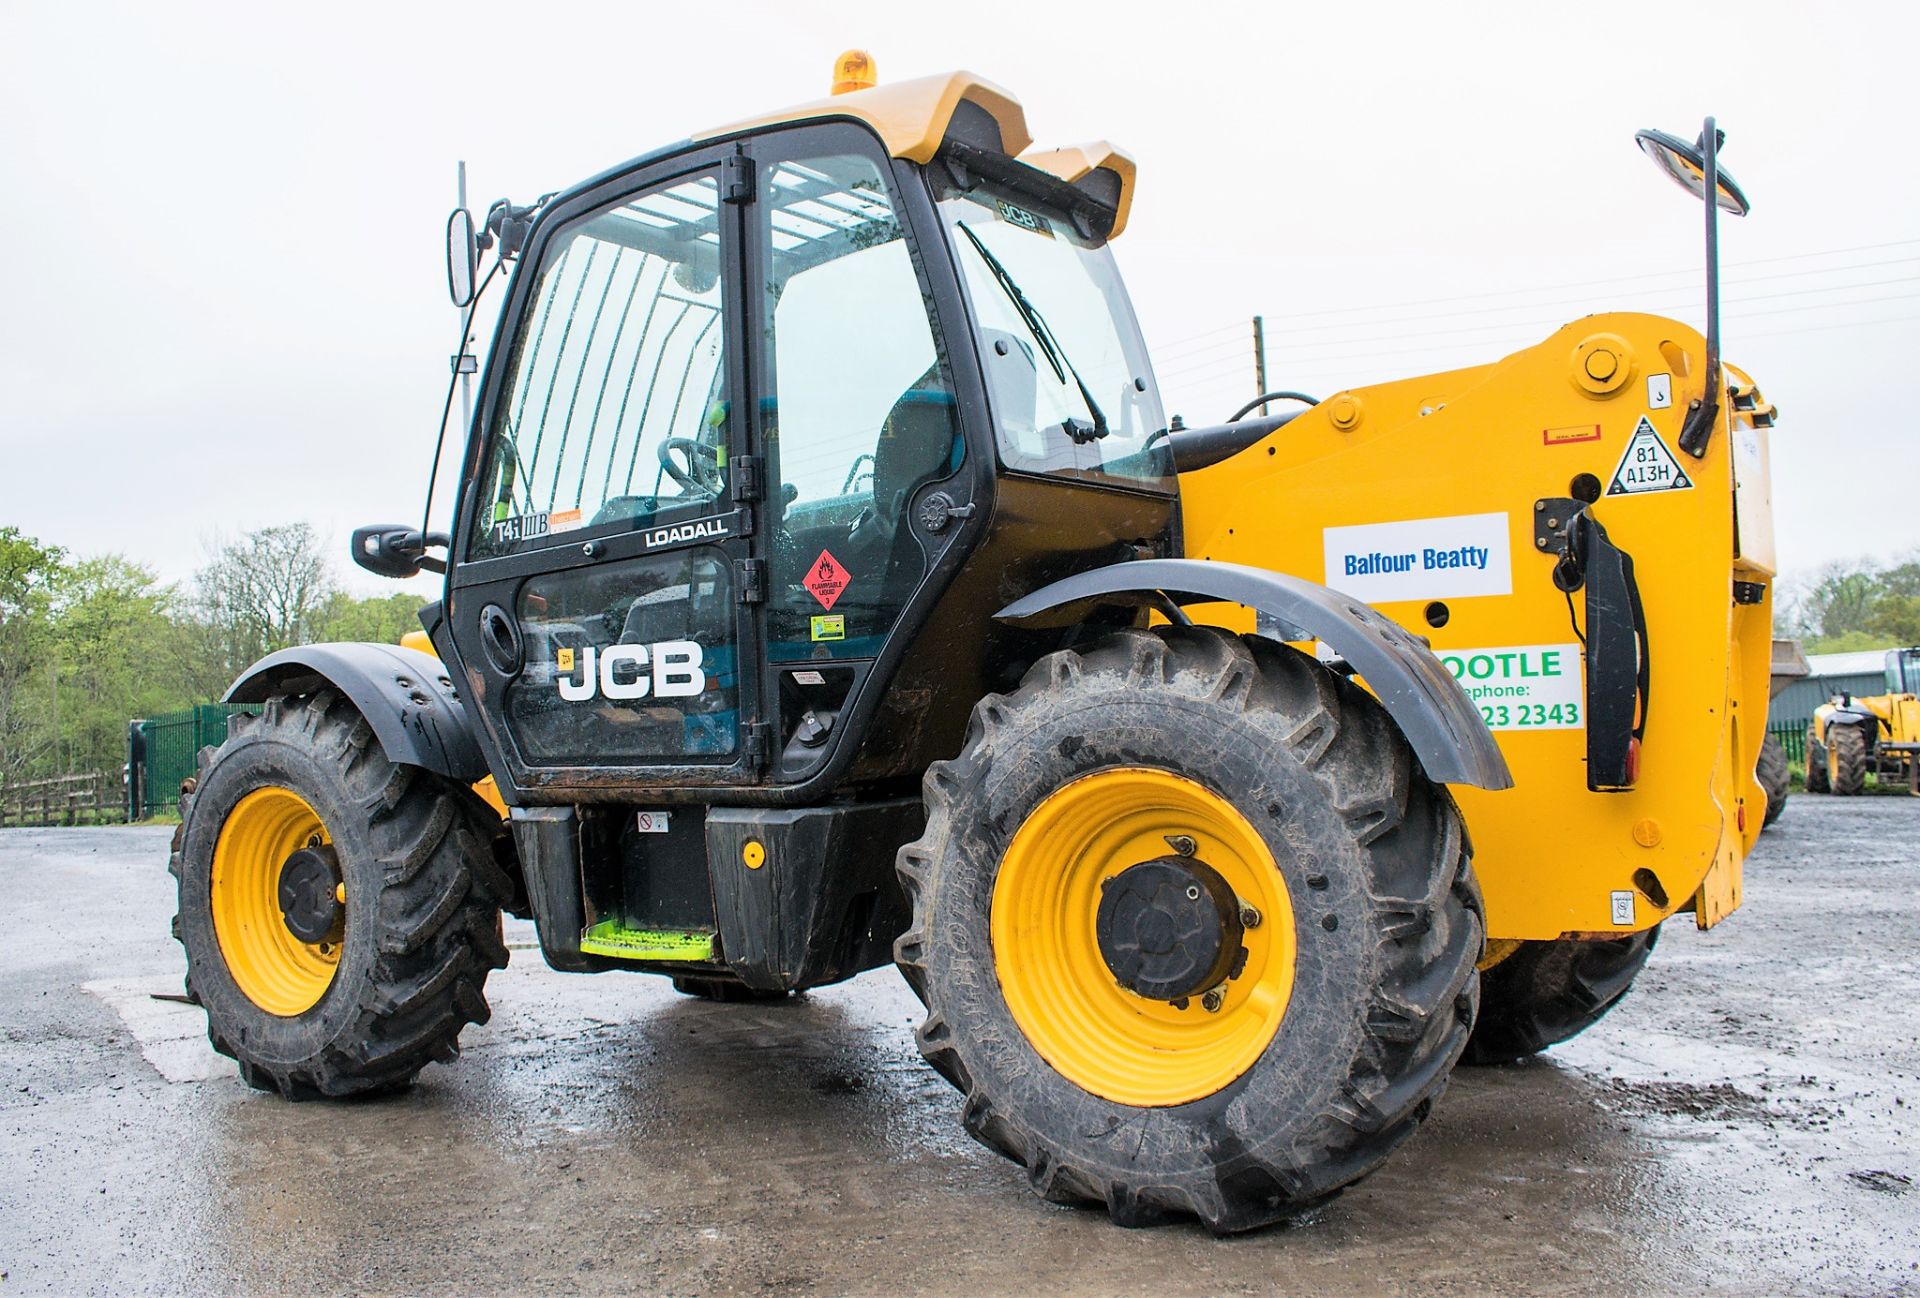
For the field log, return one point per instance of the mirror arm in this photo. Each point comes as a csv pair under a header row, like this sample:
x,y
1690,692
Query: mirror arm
x,y
1698,428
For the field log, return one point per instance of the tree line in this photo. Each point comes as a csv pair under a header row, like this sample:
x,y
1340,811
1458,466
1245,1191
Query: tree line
x,y
1851,605
87,644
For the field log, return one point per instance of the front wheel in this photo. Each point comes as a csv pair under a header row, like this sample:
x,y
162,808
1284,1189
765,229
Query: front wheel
x,y
340,913
1846,760
1194,933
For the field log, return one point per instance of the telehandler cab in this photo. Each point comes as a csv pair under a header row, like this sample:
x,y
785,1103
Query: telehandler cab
x,y
826,587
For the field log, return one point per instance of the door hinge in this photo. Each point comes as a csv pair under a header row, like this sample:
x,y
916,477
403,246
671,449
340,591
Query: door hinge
x,y
757,738
750,579
749,477
736,180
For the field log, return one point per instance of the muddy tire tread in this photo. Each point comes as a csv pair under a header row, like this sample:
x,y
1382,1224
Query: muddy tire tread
x,y
1549,992
1773,776
1419,869
1849,760
438,906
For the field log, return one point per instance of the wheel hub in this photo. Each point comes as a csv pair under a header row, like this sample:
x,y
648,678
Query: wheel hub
x,y
309,894
1169,928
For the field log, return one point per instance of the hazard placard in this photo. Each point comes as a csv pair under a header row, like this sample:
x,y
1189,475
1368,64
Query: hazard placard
x,y
826,579
1647,466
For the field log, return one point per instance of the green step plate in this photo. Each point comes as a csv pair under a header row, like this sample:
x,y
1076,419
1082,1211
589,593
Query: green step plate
x,y
611,938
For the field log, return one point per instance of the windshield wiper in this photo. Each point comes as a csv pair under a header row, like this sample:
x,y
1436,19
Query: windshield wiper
x,y
1080,431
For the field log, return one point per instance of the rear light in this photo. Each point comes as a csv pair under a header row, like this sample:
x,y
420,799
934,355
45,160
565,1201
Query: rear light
x,y
1633,761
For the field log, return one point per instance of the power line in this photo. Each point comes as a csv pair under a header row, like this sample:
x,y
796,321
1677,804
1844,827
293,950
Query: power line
x,y
1536,306
1648,292
1514,324
1222,345
1617,279
1377,355
1207,334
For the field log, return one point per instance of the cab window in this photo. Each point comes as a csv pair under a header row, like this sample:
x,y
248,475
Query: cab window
x,y
614,410
860,414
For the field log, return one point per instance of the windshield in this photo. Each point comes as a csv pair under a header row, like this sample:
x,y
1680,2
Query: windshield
x,y
1066,367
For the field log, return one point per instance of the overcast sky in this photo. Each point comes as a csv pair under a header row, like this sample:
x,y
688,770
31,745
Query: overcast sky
x,y
226,303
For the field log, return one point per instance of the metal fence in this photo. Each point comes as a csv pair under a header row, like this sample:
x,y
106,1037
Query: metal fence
x,y
163,751
1793,737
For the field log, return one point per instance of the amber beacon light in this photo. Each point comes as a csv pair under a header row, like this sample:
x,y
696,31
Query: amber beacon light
x,y
854,70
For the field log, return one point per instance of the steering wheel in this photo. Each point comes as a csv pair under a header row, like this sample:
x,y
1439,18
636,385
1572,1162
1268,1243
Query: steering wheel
x,y
702,475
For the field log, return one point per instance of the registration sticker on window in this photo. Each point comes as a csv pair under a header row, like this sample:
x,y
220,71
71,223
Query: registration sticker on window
x,y
1021,217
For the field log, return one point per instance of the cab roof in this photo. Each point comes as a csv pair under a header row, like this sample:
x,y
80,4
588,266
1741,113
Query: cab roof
x,y
912,119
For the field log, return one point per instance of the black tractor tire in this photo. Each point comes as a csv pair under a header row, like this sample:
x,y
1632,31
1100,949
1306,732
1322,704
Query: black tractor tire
x,y
1816,762
413,961
728,991
1847,774
1773,776
1548,992
1387,917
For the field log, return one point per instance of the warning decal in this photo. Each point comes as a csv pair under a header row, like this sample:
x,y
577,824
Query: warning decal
x,y
1647,466
826,579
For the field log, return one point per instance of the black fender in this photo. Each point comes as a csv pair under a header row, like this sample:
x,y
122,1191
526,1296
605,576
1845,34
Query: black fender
x,y
405,695
1439,720
1850,714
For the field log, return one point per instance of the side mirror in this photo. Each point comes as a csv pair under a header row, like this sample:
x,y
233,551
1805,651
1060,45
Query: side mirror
x,y
1687,165
396,550
463,255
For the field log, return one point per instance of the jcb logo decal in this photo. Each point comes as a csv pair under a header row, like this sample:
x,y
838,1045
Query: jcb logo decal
x,y
669,670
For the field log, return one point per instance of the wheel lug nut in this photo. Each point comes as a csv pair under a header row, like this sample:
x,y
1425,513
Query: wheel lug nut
x,y
1249,917
1182,844
1213,1000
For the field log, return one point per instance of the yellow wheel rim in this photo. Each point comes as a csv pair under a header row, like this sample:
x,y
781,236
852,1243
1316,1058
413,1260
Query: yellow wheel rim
x,y
273,968
1101,1036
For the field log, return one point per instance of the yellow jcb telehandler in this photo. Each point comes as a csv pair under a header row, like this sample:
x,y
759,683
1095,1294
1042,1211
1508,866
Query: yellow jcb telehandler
x,y
1851,737
827,588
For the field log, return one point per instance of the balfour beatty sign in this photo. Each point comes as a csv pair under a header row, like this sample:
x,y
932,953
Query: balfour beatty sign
x,y
1421,558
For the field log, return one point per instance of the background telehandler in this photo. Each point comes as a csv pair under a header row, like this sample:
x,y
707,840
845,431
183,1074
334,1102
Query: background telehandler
x,y
1851,737
826,587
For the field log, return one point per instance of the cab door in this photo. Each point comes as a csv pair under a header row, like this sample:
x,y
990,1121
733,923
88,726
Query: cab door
x,y
854,391
604,594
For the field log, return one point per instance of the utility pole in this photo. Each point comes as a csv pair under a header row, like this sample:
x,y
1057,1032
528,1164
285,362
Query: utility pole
x,y
1259,357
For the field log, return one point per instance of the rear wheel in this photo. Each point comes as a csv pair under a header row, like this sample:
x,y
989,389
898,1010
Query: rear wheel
x,y
1771,772
1543,993
1194,933
1846,760
1816,762
340,913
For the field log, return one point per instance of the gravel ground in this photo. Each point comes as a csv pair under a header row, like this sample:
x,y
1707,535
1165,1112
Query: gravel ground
x,y
1747,1122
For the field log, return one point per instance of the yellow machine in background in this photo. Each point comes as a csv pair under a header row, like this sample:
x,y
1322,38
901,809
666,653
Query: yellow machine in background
x,y
1850,738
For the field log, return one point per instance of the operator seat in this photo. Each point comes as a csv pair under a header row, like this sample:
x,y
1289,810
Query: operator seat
x,y
919,443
